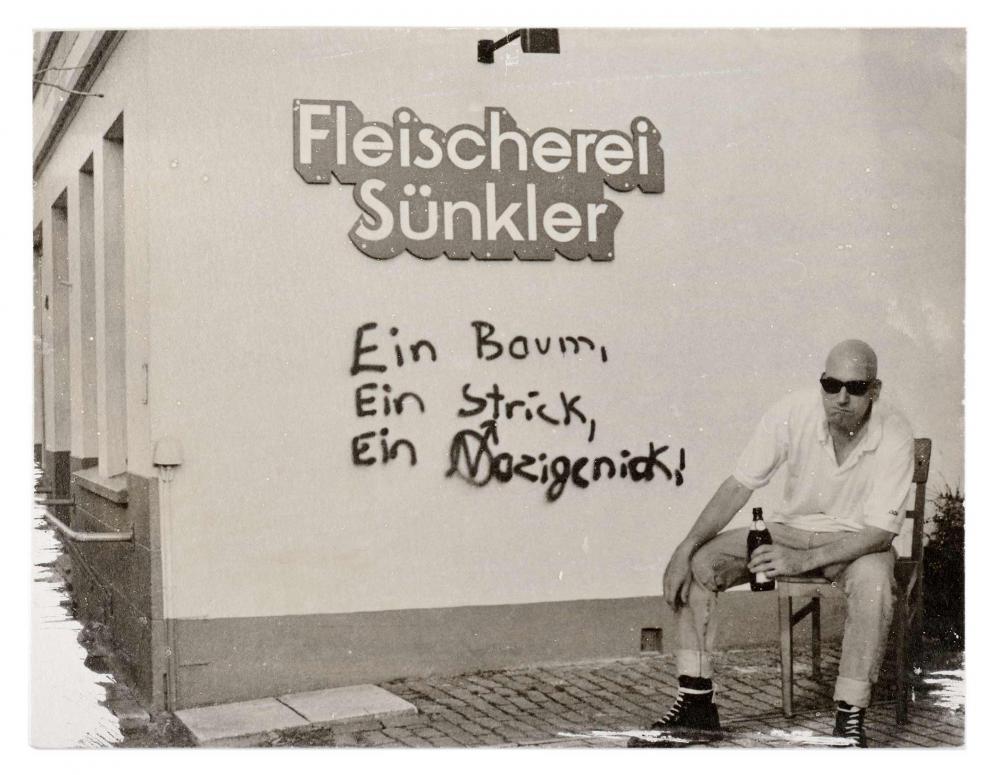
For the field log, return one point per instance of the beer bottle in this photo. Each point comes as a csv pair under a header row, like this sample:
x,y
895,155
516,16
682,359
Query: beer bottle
x,y
758,536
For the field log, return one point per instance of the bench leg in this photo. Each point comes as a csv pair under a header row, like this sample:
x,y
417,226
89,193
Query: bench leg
x,y
785,634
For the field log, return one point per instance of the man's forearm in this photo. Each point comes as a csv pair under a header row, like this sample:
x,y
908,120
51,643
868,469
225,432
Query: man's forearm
x,y
719,512
848,548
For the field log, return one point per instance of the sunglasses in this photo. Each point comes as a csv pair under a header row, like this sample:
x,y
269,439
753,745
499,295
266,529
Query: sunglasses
x,y
855,387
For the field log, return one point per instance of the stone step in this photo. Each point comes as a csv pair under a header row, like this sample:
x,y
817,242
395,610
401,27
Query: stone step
x,y
251,722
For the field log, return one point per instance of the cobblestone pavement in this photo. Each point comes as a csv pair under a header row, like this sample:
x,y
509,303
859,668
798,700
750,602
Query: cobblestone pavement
x,y
598,704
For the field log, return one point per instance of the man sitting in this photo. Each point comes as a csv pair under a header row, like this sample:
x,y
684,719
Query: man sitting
x,y
850,464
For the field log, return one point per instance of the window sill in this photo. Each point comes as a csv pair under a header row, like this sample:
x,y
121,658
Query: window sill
x,y
114,489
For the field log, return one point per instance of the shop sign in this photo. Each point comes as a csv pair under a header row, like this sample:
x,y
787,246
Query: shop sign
x,y
492,193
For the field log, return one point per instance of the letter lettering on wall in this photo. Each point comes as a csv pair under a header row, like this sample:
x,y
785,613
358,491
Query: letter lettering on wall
x,y
490,193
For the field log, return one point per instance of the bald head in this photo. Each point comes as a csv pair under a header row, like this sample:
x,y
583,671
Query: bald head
x,y
854,356
847,413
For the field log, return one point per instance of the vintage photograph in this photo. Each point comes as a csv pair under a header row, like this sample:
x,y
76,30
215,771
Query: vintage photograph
x,y
426,387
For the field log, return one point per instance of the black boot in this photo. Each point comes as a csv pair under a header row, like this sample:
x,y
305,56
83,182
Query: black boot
x,y
693,709
849,723
692,719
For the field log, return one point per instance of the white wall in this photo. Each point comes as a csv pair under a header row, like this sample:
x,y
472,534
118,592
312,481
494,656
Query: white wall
x,y
814,191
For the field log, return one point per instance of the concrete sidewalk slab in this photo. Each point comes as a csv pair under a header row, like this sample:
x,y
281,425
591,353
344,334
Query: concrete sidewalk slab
x,y
242,722
348,703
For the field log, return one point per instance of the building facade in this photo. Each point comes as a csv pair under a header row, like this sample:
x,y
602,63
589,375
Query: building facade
x,y
396,362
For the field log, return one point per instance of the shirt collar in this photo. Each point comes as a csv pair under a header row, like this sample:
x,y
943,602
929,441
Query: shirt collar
x,y
872,437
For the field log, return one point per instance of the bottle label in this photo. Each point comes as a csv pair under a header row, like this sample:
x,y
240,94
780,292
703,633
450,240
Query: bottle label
x,y
762,578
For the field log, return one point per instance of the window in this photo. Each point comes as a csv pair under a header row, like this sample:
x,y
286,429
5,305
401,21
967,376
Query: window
x,y
39,309
57,382
84,318
109,254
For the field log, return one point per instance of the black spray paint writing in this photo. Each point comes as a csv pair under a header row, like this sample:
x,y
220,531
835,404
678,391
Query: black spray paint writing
x,y
361,453
472,459
566,412
415,351
489,348
474,454
379,399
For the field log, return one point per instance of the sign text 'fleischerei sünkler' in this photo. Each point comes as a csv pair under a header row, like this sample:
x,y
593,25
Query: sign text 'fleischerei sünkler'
x,y
491,193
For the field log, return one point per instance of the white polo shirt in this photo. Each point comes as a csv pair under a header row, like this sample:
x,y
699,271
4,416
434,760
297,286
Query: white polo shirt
x,y
872,486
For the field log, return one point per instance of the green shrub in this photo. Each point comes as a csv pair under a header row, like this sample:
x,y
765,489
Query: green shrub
x,y
944,570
